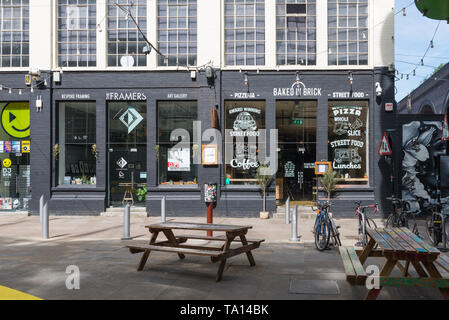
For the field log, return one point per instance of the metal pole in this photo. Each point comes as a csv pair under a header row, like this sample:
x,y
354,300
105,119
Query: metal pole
x,y
126,222
287,211
163,216
45,222
41,207
295,224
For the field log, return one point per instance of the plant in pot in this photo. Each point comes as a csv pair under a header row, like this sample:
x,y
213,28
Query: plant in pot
x,y
263,179
329,182
141,193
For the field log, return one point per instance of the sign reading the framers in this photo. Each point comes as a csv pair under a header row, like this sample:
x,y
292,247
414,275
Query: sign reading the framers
x,y
126,96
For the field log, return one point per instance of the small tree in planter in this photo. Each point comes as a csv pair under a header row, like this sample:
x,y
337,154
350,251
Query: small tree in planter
x,y
263,181
329,182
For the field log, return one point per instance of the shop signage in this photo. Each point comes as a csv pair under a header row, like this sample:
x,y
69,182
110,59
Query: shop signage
x,y
289,169
15,120
347,94
244,95
126,96
26,146
389,107
297,90
131,119
210,155
75,96
177,96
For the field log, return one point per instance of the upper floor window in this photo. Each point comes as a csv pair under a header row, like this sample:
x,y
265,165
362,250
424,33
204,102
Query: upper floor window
x,y
77,38
125,42
348,32
177,32
244,32
296,32
15,37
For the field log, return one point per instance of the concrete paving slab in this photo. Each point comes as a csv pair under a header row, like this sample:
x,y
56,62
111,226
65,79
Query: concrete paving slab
x,y
314,287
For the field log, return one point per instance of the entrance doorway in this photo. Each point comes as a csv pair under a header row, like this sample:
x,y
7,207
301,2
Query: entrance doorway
x,y
127,153
296,124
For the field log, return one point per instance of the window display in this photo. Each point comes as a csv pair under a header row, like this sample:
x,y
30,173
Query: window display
x,y
348,140
76,150
243,121
176,165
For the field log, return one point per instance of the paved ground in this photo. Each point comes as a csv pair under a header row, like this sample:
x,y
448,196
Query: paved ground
x,y
108,270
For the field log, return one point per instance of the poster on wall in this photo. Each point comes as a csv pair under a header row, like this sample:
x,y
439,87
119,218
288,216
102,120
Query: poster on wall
x,y
178,159
421,144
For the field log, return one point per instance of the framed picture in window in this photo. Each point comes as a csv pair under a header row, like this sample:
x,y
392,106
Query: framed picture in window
x,y
322,167
210,155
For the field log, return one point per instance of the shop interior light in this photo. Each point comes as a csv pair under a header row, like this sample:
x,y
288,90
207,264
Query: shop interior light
x,y
351,78
10,91
246,82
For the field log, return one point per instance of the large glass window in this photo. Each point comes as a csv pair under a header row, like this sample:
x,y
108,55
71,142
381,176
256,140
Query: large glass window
x,y
243,120
77,37
348,140
244,32
125,42
176,165
296,32
77,143
348,32
177,32
15,36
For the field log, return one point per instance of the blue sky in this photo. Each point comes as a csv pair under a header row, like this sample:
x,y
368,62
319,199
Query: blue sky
x,y
413,34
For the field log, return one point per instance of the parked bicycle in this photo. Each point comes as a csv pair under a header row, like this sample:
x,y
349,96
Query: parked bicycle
x,y
437,224
325,227
399,217
362,212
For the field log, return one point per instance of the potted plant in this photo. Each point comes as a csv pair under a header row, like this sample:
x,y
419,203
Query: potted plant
x,y
142,193
263,181
329,182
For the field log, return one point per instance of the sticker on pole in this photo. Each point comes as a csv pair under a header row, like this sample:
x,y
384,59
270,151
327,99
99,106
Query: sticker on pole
x,y
445,136
385,149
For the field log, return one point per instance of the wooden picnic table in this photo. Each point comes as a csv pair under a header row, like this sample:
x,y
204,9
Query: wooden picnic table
x,y
178,244
402,249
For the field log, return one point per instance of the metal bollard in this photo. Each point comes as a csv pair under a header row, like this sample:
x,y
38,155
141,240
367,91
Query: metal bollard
x,y
295,224
45,221
126,222
41,207
287,211
163,216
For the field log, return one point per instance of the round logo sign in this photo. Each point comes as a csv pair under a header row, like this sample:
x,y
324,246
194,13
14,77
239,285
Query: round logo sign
x,y
7,163
16,119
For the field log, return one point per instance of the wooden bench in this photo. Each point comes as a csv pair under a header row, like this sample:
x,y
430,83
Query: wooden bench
x,y
179,245
355,273
402,249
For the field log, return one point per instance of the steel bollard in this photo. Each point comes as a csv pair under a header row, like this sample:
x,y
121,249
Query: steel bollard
x,y
41,207
45,221
163,216
126,222
287,211
295,224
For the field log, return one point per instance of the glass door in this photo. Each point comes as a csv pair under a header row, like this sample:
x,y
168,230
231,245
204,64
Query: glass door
x,y
127,153
296,124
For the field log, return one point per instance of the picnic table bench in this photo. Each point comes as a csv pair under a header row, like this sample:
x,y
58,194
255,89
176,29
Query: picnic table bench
x,y
397,246
178,244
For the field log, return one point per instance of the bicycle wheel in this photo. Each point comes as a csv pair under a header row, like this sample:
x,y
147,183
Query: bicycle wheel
x,y
431,231
322,235
402,221
390,221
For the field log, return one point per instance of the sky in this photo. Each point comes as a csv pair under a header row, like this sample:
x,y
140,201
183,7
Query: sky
x,y
413,34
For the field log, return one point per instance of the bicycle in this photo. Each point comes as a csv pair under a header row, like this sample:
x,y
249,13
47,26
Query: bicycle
x,y
325,227
399,217
364,221
436,224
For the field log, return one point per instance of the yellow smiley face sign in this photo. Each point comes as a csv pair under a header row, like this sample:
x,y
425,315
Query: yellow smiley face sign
x,y
15,119
6,163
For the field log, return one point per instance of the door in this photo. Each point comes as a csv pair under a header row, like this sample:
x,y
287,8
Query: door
x,y
127,153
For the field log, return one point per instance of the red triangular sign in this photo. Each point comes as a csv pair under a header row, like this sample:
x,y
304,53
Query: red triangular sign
x,y
445,136
385,149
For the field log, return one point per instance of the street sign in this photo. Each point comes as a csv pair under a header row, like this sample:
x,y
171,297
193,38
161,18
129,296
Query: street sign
x,y
445,136
385,149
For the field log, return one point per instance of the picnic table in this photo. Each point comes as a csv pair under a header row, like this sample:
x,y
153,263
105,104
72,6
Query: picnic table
x,y
178,244
402,249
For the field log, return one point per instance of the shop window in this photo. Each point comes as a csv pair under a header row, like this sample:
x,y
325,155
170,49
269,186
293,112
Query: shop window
x,y
243,122
348,140
77,143
176,158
